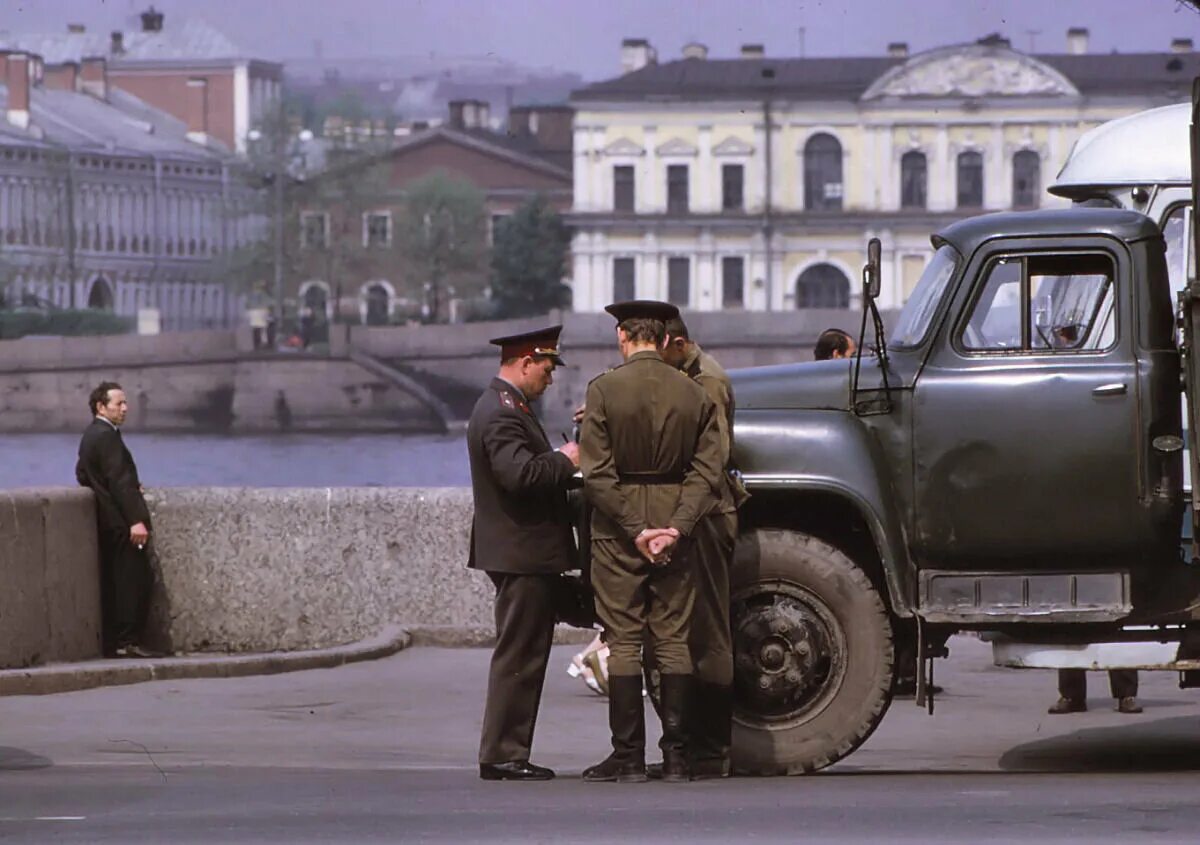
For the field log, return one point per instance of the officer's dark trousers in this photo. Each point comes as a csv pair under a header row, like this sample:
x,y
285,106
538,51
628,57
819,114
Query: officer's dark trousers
x,y
126,580
527,607
1072,683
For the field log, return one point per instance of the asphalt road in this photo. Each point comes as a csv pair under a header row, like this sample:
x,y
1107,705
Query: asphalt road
x,y
384,752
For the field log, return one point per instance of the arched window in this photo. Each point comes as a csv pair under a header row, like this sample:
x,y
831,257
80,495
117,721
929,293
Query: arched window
x,y
823,286
101,296
970,180
823,173
913,179
316,297
1027,179
378,302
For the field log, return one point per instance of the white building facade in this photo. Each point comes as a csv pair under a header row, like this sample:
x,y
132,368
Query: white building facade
x,y
754,183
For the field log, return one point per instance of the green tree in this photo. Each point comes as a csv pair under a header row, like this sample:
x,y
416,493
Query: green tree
x,y
441,236
274,192
529,261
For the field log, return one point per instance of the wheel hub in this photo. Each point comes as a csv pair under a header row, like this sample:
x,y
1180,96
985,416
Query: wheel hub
x,y
786,644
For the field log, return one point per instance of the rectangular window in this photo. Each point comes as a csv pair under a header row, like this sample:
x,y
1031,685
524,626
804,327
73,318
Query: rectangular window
x,y
677,189
731,187
733,288
624,282
377,229
970,180
314,229
623,187
679,272
1044,303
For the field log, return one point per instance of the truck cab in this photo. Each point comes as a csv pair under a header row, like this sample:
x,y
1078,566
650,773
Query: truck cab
x,y
1010,461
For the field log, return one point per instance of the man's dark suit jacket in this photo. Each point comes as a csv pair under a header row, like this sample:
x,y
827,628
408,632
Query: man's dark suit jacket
x,y
106,466
522,520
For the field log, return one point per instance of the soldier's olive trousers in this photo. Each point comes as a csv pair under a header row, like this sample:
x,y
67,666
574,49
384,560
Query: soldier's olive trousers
x,y
637,600
527,606
710,638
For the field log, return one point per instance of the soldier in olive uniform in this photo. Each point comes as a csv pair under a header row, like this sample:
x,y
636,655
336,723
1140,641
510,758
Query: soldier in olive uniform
x,y
650,452
711,640
521,537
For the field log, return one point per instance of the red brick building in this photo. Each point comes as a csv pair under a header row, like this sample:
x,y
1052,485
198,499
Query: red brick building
x,y
374,283
190,70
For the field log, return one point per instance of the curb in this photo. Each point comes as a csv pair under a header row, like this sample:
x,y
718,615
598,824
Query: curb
x,y
473,636
71,677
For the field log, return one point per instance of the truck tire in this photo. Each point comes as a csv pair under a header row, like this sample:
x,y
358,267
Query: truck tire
x,y
813,657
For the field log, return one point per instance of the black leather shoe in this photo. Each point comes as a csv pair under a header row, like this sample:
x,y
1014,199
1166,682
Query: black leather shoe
x,y
613,768
516,770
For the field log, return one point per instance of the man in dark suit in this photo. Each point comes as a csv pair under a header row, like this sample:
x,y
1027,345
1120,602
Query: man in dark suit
x,y
521,537
122,522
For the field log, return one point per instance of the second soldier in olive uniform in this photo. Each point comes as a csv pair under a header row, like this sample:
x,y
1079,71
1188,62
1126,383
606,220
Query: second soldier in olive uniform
x,y
711,640
650,453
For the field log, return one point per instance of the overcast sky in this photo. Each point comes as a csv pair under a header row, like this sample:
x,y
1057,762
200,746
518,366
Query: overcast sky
x,y
584,35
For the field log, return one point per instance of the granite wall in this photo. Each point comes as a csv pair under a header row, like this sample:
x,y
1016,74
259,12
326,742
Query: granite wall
x,y
245,570
50,600
264,569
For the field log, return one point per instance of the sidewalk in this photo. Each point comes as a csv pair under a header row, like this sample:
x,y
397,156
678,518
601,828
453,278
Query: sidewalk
x,y
70,677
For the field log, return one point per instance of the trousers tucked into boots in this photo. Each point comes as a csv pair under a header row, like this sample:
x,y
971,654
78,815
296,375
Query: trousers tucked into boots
x,y
676,694
627,721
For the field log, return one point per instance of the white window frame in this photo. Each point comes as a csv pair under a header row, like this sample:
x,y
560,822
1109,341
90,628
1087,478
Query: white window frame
x,y
305,216
366,227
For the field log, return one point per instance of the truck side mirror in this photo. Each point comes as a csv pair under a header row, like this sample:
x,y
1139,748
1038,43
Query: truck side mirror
x,y
871,272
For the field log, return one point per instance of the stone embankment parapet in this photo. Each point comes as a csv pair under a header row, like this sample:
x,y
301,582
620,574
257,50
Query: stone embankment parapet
x,y
243,571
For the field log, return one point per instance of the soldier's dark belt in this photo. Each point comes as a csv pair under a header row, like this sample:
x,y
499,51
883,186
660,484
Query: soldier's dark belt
x,y
650,477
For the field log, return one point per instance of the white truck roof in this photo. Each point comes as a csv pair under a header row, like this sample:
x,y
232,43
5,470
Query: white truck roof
x,y
1147,148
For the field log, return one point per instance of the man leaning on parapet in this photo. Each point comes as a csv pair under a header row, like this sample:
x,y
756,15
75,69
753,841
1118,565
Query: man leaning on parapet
x,y
122,523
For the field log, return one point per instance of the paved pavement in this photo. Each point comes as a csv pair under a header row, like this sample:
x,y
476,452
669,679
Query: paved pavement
x,y
384,752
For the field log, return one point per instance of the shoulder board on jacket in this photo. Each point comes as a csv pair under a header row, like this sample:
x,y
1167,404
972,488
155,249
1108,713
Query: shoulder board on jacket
x,y
606,372
508,400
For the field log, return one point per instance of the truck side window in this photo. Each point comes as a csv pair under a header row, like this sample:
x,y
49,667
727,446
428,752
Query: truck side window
x,y
1044,304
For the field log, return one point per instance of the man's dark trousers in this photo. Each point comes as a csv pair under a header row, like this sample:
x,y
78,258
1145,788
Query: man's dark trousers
x,y
126,580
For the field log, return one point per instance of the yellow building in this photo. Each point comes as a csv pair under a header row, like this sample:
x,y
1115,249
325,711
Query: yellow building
x,y
754,182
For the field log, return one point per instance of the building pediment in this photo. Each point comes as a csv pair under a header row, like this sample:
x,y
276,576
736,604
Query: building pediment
x,y
623,147
676,147
973,70
732,146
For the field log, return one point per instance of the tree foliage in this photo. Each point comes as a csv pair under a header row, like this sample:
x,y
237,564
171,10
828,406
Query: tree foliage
x,y
529,261
440,232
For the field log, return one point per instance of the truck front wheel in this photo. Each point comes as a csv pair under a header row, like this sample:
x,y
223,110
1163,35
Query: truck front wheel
x,y
812,654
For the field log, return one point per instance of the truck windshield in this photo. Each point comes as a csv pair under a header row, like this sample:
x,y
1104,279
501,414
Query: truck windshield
x,y
919,310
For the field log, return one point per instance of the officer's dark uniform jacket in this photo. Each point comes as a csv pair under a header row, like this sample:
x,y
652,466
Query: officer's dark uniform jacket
x,y
522,522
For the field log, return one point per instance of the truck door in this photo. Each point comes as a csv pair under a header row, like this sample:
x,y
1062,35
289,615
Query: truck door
x,y
1027,453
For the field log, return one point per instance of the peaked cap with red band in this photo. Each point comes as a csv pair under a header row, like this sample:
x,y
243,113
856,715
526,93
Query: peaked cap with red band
x,y
541,343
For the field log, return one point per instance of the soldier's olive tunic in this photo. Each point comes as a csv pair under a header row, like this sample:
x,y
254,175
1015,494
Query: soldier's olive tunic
x,y
710,637
650,451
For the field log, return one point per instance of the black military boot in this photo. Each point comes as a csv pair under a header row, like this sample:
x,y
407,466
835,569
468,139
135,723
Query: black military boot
x,y
676,693
627,721
711,732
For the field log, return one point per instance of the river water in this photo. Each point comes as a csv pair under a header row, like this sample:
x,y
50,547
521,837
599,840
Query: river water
x,y
291,460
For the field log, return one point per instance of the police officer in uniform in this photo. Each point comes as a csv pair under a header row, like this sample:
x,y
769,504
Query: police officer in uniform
x,y
651,458
711,640
521,537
